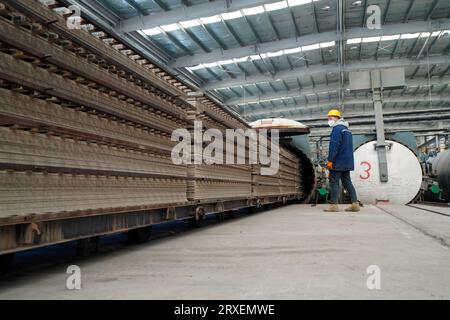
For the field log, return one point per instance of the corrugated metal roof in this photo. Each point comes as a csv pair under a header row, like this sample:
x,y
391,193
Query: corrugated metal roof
x,y
265,58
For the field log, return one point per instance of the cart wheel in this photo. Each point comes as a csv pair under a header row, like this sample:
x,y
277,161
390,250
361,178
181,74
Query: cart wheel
x,y
6,261
197,223
139,235
88,246
220,216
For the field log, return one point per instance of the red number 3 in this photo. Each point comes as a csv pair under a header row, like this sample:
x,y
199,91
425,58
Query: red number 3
x,y
367,171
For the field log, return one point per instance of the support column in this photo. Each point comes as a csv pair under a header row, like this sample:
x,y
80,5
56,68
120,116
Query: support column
x,y
381,142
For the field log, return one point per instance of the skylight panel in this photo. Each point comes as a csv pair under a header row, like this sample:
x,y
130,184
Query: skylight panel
x,y
190,23
225,16
371,39
253,11
170,27
410,35
223,62
275,54
243,59
293,50
293,3
311,47
209,20
276,6
210,65
327,44
196,67
354,41
390,38
255,57
152,31
231,15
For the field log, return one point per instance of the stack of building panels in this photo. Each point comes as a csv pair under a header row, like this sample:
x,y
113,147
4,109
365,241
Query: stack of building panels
x,y
219,182
86,124
83,126
209,181
25,193
289,173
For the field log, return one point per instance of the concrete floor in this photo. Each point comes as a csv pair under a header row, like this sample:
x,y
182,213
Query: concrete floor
x,y
294,252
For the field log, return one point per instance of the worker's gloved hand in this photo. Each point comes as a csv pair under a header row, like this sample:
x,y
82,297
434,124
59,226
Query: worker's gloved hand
x,y
329,165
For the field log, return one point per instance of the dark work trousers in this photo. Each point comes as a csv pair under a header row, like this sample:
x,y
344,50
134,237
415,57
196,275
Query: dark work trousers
x,y
344,176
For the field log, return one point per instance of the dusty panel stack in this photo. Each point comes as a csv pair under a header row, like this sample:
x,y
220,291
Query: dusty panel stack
x,y
217,181
285,181
289,173
84,126
264,184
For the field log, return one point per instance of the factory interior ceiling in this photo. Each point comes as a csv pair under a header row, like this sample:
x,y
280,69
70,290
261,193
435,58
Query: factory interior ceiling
x,y
291,58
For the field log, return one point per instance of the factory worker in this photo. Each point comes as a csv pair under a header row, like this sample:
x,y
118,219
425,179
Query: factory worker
x,y
340,161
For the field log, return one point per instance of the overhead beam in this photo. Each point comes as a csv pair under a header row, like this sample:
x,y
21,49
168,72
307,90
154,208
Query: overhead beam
x,y
443,115
427,143
137,7
321,69
401,127
187,13
395,121
307,106
321,89
392,29
361,114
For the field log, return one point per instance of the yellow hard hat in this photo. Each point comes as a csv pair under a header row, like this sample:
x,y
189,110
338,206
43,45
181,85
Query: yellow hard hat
x,y
334,113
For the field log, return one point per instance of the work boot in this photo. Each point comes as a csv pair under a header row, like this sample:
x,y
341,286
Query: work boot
x,y
332,208
354,207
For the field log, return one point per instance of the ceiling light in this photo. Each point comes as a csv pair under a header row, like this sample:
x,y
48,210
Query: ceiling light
x,y
357,3
326,8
